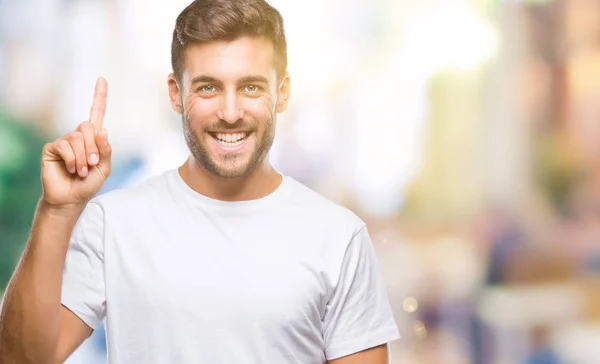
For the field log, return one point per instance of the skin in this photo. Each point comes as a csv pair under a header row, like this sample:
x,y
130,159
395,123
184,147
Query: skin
x,y
230,87
34,326
226,87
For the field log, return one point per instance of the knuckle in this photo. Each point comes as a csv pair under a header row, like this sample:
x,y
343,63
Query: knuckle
x,y
64,145
89,127
64,148
84,125
68,154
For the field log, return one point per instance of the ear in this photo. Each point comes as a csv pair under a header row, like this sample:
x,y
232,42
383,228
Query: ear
x,y
283,95
174,94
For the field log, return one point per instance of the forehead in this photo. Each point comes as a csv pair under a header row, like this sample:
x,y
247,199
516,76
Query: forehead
x,y
229,60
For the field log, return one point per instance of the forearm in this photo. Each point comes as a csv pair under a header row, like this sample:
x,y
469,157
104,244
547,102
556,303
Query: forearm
x,y
30,314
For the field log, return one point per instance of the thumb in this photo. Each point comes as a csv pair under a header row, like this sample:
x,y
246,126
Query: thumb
x,y
105,151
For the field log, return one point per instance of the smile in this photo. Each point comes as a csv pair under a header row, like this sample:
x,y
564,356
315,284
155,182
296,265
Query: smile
x,y
230,140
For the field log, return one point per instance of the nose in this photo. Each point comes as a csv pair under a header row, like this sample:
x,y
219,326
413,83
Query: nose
x,y
230,110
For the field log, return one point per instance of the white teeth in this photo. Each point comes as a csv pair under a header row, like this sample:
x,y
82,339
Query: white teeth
x,y
231,138
230,144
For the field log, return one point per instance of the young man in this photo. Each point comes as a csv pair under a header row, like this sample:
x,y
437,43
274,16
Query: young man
x,y
222,260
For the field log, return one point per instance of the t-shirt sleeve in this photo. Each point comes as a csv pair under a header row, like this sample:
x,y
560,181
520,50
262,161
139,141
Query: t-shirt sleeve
x,y
83,277
358,315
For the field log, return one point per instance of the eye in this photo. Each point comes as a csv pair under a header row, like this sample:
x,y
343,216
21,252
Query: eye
x,y
207,88
251,88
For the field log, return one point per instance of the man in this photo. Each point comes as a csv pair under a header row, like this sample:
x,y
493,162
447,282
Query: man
x,y
222,260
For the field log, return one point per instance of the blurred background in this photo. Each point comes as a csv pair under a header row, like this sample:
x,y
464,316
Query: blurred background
x,y
465,132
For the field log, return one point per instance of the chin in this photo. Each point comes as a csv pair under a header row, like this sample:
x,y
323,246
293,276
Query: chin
x,y
232,172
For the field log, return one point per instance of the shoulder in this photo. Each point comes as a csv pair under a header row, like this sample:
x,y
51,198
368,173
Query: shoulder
x,y
143,195
321,208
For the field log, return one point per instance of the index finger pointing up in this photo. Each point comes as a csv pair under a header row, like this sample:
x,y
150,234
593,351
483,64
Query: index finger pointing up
x,y
99,103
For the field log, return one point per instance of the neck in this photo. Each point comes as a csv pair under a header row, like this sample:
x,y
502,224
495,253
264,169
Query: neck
x,y
262,181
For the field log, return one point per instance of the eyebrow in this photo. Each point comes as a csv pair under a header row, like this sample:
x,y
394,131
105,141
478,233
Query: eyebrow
x,y
205,79
241,81
253,79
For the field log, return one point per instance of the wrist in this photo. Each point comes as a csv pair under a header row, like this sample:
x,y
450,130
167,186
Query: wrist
x,y
68,211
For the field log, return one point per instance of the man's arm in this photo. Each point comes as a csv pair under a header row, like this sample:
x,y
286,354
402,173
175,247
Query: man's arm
x,y
358,321
376,355
73,332
34,326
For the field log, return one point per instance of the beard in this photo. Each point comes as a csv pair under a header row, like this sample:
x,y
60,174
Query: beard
x,y
229,165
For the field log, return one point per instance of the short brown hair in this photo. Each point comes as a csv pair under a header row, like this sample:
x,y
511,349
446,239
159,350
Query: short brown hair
x,y
225,20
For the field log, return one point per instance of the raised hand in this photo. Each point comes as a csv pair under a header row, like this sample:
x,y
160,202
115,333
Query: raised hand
x,y
75,166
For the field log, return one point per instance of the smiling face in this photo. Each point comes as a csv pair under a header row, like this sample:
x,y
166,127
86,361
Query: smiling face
x,y
229,96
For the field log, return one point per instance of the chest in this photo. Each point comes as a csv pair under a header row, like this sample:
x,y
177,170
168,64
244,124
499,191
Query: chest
x,y
218,274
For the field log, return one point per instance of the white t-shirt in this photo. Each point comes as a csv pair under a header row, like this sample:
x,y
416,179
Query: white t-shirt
x,y
182,278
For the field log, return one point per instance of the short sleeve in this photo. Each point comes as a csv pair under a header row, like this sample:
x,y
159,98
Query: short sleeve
x,y
83,290
358,315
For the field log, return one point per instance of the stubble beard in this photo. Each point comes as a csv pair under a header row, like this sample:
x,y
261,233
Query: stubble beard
x,y
229,167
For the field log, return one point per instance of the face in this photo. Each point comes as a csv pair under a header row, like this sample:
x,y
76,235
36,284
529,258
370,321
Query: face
x,y
229,97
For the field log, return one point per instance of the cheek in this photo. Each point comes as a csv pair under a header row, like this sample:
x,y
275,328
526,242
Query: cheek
x,y
261,107
205,110
200,110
